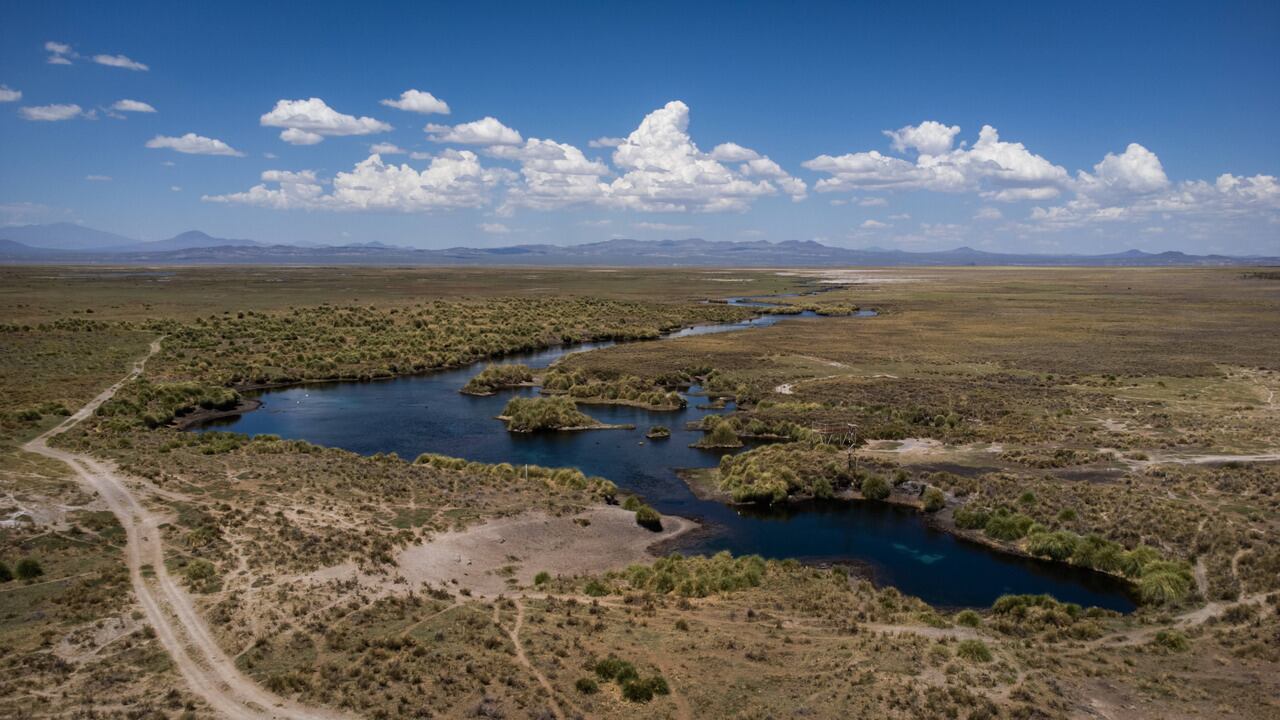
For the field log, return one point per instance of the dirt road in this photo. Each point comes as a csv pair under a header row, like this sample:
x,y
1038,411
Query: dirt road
x,y
209,672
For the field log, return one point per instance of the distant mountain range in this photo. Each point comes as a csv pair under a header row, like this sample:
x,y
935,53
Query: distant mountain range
x,y
65,243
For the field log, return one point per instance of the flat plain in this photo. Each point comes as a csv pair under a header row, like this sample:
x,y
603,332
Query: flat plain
x,y
1122,420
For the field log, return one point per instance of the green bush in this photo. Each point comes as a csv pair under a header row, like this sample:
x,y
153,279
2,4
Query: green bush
x,y
968,618
595,588
542,578
29,568
1134,562
1059,545
637,691
934,500
1172,640
1164,583
974,650
696,576
587,686
495,377
154,404
971,518
1007,526
658,432
544,413
627,389
5,573
615,668
772,473
875,487
648,518
721,436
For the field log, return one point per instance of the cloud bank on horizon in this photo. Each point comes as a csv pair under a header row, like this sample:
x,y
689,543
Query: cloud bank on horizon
x,y
396,151
659,168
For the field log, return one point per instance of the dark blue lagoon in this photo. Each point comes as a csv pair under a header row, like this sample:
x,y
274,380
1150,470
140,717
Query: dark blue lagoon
x,y
426,413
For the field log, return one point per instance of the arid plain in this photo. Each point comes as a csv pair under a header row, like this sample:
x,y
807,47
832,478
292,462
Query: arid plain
x,y
1120,423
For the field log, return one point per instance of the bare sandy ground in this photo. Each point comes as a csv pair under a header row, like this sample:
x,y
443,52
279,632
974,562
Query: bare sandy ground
x,y
482,558
533,543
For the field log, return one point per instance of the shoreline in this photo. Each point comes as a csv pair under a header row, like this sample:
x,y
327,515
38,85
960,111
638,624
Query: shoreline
x,y
700,482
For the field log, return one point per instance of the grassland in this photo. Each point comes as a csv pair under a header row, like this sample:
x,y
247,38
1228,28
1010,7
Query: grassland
x,y
1137,407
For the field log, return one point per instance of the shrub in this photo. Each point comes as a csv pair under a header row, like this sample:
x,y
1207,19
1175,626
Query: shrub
x,y
615,668
1099,553
971,518
542,578
1164,583
1059,545
648,518
772,473
5,573
497,376
595,588
721,436
1172,640
544,413
1007,526
637,691
934,500
875,487
974,650
1134,562
697,576
587,686
632,503
201,575
29,568
658,432
968,618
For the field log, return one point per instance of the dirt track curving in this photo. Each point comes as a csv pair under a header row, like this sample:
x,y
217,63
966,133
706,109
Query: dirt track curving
x,y
210,673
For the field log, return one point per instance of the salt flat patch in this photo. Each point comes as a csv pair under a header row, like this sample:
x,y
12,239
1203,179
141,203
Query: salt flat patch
x,y
853,277
482,557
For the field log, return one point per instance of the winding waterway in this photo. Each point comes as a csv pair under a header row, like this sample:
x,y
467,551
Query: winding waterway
x,y
426,413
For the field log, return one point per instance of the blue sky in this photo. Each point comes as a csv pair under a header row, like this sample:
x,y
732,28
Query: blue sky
x,y
1111,125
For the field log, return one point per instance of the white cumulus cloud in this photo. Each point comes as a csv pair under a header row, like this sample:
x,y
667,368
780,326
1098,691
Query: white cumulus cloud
x,y
419,102
494,228
132,106
663,170
485,131
59,53
453,179
51,113
193,144
1136,171
385,148
554,175
120,61
994,168
8,94
307,122
928,138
